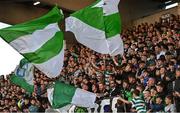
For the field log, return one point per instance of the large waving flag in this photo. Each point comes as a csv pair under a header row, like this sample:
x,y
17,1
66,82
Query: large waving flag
x,y
98,27
112,22
88,27
40,41
62,95
24,76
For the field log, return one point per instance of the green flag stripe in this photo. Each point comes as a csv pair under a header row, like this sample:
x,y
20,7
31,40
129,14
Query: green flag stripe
x,y
62,95
50,49
22,83
11,33
112,25
91,16
23,62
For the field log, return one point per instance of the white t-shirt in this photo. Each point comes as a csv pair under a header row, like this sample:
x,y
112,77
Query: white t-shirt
x,y
170,108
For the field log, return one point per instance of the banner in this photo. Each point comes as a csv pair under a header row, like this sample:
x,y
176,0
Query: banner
x,y
105,105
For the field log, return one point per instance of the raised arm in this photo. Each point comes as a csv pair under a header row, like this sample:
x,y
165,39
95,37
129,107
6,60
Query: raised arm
x,y
125,101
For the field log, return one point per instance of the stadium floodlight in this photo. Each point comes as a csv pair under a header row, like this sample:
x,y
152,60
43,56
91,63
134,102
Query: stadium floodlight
x,y
36,3
171,5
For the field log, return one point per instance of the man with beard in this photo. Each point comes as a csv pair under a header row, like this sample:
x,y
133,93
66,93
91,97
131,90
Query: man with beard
x,y
103,92
114,90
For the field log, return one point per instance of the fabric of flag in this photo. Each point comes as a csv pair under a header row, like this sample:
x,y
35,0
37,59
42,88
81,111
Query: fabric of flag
x,y
98,27
62,95
40,41
88,27
24,76
112,23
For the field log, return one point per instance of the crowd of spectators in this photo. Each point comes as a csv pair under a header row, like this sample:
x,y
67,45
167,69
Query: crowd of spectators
x,y
146,77
15,99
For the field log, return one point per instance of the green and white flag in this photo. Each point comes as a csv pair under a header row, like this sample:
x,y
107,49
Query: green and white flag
x,y
61,95
112,23
40,41
98,27
24,75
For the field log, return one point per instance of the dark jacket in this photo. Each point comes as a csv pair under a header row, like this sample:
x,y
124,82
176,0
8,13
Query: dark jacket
x,y
177,85
177,99
115,92
157,107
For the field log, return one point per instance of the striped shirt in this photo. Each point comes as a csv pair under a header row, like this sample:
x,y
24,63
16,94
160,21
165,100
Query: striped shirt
x,y
139,105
